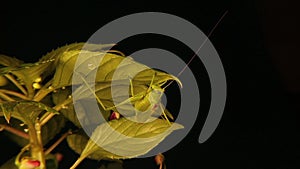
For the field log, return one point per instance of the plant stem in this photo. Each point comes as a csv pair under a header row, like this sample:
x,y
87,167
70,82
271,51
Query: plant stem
x,y
24,149
44,91
13,93
36,144
78,161
53,146
31,92
14,131
16,83
57,108
5,97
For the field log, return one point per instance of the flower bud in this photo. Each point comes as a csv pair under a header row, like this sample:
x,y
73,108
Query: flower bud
x,y
29,164
114,115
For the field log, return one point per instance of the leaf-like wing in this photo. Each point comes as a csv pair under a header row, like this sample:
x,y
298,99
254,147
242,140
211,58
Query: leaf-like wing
x,y
107,67
83,110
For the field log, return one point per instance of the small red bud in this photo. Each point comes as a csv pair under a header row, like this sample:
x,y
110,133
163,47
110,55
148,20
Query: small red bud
x,y
114,115
29,164
59,156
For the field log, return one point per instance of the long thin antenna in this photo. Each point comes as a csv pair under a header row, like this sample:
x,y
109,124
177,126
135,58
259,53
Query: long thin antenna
x,y
192,58
210,33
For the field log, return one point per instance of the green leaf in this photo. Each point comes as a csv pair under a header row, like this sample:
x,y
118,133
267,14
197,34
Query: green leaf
x,y
26,111
6,109
78,141
125,138
113,70
57,53
111,67
9,61
83,108
27,73
65,68
104,89
68,112
52,128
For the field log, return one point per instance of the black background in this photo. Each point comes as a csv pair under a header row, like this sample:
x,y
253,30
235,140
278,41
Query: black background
x,y
256,41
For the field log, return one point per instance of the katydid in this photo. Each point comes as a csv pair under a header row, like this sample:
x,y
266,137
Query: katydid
x,y
143,101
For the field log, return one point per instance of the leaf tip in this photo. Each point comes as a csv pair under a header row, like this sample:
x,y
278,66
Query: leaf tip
x,y
176,126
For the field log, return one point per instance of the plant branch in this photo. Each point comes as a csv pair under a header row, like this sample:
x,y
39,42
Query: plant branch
x,y
17,160
16,83
78,161
44,91
38,131
31,92
13,93
14,131
5,97
57,108
36,145
53,146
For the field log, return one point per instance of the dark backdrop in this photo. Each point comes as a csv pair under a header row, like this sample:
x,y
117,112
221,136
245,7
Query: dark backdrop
x,y
257,43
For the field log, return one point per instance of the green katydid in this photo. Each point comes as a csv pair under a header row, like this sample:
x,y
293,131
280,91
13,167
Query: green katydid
x,y
144,91
143,101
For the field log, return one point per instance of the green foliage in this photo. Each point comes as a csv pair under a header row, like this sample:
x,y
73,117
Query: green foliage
x,y
36,101
26,111
155,130
9,61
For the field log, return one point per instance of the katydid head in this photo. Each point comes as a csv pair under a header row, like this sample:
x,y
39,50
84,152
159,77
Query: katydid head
x,y
157,88
156,93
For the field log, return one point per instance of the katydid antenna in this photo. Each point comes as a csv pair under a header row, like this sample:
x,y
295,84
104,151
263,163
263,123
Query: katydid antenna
x,y
203,43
